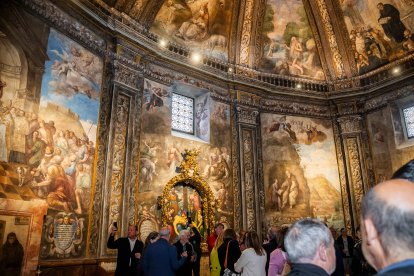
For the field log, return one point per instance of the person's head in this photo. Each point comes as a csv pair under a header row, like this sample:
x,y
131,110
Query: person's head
x,y
405,172
281,238
218,228
132,231
310,241
252,241
151,238
344,232
184,236
165,233
11,238
272,233
229,234
380,6
387,219
358,233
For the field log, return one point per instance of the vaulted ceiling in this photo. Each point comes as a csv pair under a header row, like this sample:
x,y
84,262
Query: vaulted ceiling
x,y
316,39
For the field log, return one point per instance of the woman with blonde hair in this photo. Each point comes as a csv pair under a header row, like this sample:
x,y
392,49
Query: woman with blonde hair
x,y
253,259
214,259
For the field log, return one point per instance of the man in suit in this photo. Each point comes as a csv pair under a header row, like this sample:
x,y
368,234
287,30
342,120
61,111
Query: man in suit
x,y
161,258
346,245
387,225
129,252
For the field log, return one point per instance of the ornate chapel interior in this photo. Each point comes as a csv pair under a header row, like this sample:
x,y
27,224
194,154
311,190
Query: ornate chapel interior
x,y
252,113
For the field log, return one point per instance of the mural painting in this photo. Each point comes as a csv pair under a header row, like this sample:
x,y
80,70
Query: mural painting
x,y
53,147
300,170
161,154
380,31
289,45
202,25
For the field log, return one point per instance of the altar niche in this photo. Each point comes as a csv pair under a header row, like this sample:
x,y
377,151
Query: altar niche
x,y
187,198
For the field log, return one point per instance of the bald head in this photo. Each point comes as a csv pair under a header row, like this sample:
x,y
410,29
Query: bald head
x,y
389,208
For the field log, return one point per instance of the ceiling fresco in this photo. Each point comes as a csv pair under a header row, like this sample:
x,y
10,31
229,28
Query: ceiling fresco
x,y
198,24
289,45
380,31
376,32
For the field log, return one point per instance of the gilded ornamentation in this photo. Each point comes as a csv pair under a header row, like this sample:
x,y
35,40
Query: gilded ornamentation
x,y
235,157
295,108
382,100
190,175
248,98
247,116
342,179
350,124
356,174
246,32
337,57
248,179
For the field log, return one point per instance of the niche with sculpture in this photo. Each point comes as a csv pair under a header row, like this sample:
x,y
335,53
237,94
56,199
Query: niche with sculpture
x,y
187,198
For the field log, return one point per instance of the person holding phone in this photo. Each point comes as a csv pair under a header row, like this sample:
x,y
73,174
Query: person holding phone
x,y
129,251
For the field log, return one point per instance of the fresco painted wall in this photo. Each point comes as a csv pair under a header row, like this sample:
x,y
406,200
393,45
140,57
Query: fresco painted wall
x,y
379,33
389,148
161,154
289,46
48,145
300,170
202,25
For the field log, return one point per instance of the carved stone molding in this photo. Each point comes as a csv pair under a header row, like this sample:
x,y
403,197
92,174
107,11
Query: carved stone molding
x,y
342,179
355,162
246,115
337,57
248,98
126,75
295,108
246,32
62,21
382,100
248,177
350,124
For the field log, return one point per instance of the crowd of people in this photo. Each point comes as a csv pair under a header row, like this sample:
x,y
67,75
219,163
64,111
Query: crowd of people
x,y
383,243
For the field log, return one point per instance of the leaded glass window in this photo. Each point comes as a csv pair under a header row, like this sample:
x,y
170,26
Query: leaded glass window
x,y
182,113
409,121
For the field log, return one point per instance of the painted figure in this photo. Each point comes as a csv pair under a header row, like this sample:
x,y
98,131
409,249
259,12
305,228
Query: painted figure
x,y
390,21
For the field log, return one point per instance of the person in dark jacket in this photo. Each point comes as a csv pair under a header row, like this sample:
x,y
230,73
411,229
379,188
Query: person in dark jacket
x,y
160,258
232,253
271,244
11,256
129,252
195,240
360,266
310,248
183,245
387,215
346,245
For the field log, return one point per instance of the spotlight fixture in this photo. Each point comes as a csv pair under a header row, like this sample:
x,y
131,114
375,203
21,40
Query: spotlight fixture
x,y
196,57
396,70
298,86
230,70
163,43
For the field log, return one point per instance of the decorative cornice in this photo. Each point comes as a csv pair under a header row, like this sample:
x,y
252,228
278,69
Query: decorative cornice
x,y
126,76
295,108
383,100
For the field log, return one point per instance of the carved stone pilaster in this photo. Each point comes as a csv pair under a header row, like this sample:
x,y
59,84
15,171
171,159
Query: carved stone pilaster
x,y
250,185
353,161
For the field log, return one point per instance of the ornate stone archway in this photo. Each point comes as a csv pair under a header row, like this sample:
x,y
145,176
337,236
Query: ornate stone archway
x,y
189,175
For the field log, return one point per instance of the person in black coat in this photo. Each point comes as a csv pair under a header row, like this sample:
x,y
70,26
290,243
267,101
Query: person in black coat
x,y
346,245
183,245
195,240
11,256
129,252
230,239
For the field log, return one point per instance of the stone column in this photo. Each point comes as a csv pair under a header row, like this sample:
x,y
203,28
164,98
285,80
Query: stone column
x,y
352,166
248,183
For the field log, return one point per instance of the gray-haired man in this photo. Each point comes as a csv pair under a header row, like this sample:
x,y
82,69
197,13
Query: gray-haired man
x,y
387,227
310,247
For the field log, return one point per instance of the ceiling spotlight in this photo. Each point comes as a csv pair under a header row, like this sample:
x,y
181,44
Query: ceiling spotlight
x,y
396,70
230,70
196,57
163,43
298,86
